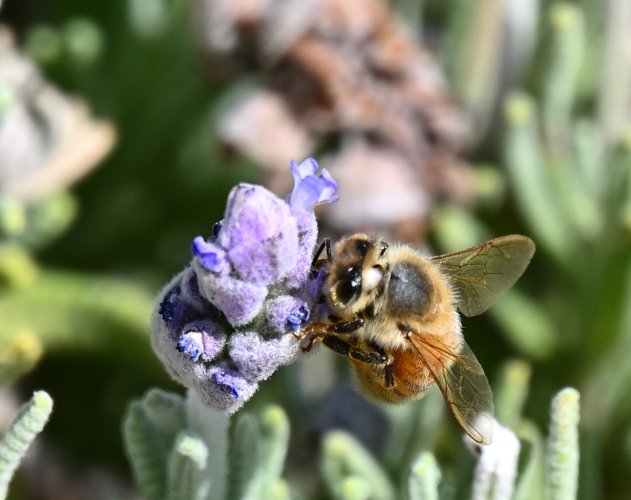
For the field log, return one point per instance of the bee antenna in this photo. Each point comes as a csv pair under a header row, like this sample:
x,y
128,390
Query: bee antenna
x,y
325,245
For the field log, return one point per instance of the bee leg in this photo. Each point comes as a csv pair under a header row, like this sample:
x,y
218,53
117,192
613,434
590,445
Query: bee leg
x,y
314,332
319,331
348,326
388,376
376,357
340,346
370,357
336,344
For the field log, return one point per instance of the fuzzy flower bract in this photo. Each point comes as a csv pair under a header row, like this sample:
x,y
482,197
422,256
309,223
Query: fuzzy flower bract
x,y
226,322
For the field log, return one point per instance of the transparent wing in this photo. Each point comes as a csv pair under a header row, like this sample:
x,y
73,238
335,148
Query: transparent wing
x,y
479,274
462,381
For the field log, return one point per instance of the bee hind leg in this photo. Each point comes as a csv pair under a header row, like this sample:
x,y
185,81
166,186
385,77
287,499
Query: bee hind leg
x,y
376,357
340,346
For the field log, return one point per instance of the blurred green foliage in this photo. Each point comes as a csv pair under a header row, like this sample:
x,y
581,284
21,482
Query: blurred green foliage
x,y
171,450
78,271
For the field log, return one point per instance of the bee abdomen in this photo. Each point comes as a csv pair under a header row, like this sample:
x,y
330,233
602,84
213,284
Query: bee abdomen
x,y
411,378
400,392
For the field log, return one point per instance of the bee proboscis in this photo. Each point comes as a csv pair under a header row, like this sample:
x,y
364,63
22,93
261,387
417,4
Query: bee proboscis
x,y
394,313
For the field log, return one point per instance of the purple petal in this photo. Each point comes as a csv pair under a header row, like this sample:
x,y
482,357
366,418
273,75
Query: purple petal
x,y
307,237
239,301
303,169
259,235
190,292
201,339
170,309
314,285
311,189
329,188
225,389
191,344
174,310
225,380
286,314
298,318
211,256
164,341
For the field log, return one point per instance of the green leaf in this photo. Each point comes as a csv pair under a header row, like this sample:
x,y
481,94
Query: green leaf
x,y
562,449
212,427
187,478
243,454
424,478
271,451
532,182
146,452
511,392
29,422
344,457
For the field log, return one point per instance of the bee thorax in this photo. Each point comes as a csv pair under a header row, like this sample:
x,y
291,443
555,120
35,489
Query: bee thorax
x,y
409,290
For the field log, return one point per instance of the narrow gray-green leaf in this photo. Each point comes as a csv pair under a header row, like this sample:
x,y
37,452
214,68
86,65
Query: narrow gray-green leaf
x,y
29,422
186,470
146,452
563,452
424,478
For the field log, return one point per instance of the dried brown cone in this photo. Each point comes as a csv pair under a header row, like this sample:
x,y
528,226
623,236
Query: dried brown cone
x,y
346,78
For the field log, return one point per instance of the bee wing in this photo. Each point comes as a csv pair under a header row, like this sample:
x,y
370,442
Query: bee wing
x,y
462,381
479,274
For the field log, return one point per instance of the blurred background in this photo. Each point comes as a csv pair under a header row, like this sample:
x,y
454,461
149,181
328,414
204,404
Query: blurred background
x,y
124,124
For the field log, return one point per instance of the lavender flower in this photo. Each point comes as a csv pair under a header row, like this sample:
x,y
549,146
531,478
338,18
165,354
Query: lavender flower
x,y
201,339
310,189
226,322
286,313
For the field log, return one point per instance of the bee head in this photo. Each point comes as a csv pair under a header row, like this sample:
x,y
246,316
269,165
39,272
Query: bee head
x,y
355,272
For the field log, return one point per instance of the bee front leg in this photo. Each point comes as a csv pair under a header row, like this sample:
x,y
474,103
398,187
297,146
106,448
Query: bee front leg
x,y
318,331
325,246
348,326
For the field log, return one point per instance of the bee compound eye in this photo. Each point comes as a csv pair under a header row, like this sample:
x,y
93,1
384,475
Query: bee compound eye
x,y
349,286
362,247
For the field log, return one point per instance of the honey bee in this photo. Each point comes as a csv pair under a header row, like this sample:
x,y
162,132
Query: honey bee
x,y
394,313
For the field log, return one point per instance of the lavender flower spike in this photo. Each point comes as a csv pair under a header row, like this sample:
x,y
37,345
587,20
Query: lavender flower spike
x,y
226,322
310,189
